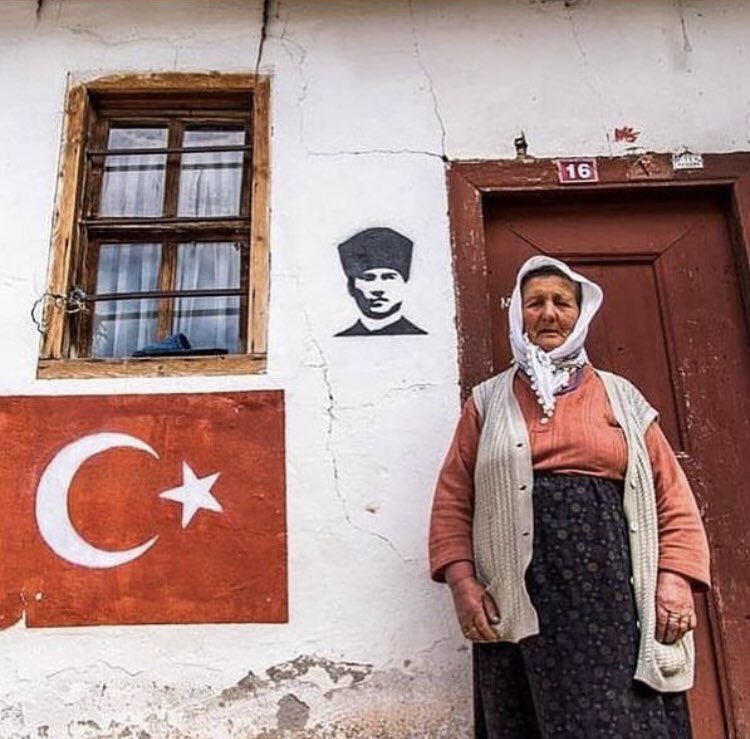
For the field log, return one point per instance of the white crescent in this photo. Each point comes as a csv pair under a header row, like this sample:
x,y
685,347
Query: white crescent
x,y
52,514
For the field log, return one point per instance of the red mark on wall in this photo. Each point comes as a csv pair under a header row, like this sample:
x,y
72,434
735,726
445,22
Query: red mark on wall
x,y
627,134
143,509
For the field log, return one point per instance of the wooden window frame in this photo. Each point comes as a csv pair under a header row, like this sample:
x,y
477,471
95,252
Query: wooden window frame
x,y
55,350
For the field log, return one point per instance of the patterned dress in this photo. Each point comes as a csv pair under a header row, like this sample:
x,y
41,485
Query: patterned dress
x,y
574,680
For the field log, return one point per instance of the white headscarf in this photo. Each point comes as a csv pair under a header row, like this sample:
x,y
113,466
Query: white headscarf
x,y
550,372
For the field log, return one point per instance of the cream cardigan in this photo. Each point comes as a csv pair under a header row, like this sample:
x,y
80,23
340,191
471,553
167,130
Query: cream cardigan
x,y
504,520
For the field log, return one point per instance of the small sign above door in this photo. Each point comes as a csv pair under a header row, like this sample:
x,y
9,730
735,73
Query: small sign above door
x,y
687,160
577,171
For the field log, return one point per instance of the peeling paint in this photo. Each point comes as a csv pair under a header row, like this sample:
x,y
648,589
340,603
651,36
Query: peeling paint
x,y
250,684
308,697
292,714
335,670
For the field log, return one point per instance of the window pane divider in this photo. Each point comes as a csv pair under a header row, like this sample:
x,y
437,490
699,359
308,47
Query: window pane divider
x,y
167,275
98,153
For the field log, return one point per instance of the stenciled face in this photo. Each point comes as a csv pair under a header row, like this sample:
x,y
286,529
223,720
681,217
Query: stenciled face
x,y
550,310
379,292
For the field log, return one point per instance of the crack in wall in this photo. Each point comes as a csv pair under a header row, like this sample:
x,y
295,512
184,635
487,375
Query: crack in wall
x,y
322,365
418,386
41,9
263,33
92,667
291,46
378,152
297,55
430,82
331,415
687,47
586,71
135,38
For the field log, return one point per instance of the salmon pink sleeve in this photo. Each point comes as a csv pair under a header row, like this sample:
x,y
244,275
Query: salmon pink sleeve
x,y
453,504
683,547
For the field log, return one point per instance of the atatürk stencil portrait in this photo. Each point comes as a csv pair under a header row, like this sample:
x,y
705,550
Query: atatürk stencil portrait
x,y
377,263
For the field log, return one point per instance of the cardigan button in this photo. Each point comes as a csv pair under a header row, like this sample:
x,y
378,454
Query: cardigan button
x,y
523,487
634,527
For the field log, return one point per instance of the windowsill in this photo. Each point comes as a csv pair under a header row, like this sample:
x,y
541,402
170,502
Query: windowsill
x,y
227,364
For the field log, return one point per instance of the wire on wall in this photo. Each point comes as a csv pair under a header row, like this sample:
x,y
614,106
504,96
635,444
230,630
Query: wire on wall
x,y
74,302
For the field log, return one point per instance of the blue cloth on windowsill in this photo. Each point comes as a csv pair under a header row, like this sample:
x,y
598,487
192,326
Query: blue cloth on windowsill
x,y
176,345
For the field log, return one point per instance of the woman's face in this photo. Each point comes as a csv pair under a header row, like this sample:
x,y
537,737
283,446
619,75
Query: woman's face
x,y
550,310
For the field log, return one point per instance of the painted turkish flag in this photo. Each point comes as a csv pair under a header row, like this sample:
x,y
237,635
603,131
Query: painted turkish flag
x,y
143,509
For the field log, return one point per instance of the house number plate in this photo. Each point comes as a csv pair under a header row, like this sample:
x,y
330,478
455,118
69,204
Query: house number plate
x,y
577,171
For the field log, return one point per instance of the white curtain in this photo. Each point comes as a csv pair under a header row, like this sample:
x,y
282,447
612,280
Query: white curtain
x,y
122,326
210,186
211,322
211,182
133,187
133,184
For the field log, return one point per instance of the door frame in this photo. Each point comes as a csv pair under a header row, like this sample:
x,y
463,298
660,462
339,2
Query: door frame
x,y
471,183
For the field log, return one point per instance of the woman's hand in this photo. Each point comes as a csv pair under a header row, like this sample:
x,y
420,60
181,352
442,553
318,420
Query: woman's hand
x,y
475,608
675,610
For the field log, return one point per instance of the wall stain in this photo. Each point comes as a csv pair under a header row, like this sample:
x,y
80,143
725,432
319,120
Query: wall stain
x,y
292,714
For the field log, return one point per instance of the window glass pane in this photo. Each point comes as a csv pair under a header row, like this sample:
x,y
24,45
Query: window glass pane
x,y
133,184
122,326
212,322
211,182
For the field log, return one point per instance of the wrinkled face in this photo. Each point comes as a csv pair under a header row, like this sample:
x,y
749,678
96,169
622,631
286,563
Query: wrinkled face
x,y
550,310
379,292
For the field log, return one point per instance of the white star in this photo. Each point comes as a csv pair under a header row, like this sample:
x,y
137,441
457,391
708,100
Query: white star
x,y
194,493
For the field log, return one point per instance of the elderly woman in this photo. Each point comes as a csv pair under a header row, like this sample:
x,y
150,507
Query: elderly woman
x,y
569,536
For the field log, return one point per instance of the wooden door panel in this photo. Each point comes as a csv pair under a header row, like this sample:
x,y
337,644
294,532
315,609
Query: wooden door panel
x,y
636,347
552,216
672,322
713,372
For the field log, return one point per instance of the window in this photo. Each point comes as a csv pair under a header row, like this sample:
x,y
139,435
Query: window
x,y
159,257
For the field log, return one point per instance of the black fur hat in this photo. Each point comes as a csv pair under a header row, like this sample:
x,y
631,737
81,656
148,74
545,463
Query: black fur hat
x,y
373,248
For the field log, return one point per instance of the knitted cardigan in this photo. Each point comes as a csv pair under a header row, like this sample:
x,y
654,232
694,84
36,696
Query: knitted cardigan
x,y
504,521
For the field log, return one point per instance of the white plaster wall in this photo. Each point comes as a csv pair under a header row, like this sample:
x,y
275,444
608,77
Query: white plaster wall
x,y
367,98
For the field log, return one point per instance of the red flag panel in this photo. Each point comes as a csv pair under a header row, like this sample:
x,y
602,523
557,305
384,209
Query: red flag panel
x,y
143,509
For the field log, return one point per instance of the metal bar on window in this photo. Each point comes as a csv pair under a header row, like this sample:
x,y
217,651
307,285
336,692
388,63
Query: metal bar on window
x,y
197,293
96,153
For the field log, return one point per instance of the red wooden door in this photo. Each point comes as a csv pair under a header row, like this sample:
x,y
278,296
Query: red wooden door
x,y
673,322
